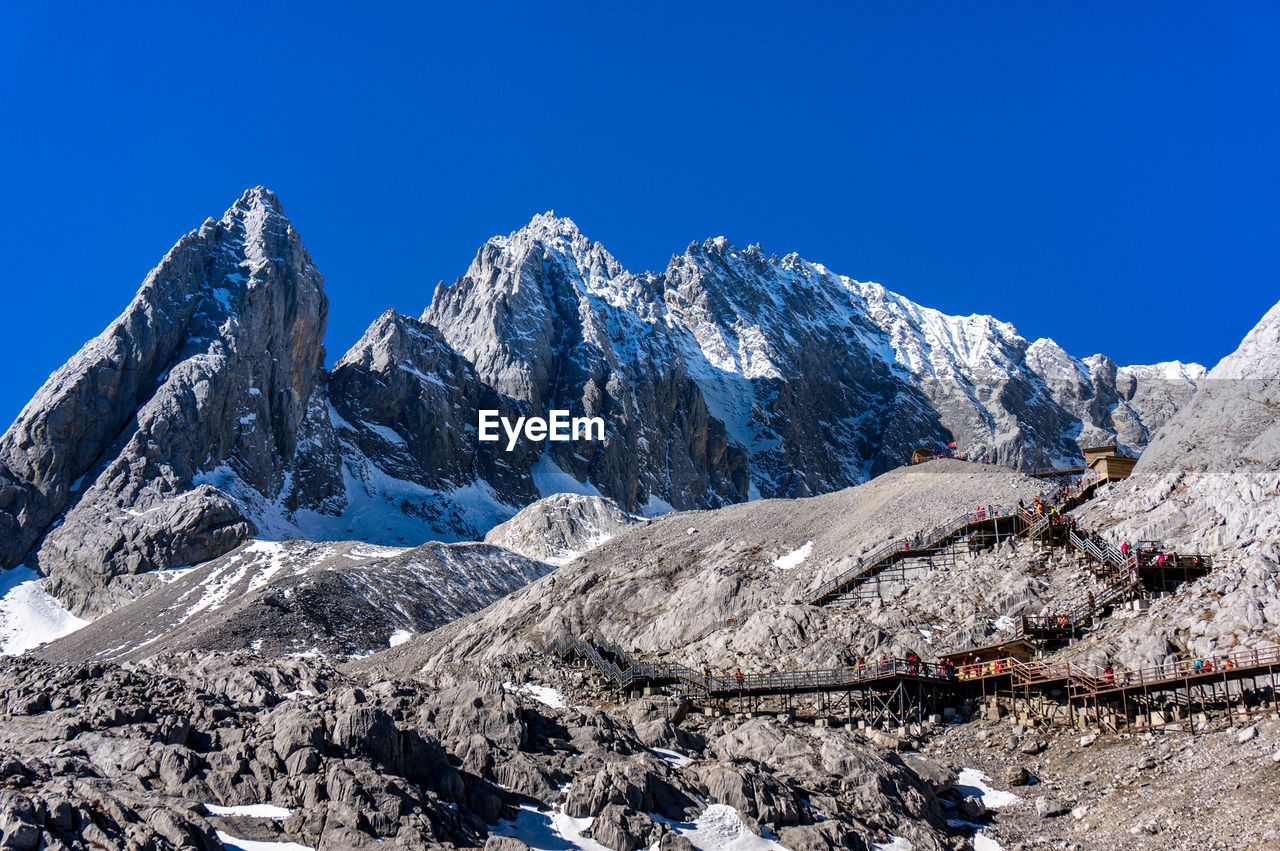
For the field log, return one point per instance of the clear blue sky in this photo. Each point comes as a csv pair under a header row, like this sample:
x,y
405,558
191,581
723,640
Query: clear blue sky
x,y
1035,161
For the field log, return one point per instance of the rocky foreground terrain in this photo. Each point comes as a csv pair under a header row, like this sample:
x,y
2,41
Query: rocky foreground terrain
x,y
654,586
195,750
177,751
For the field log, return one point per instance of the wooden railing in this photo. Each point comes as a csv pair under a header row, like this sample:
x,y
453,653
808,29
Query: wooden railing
x,y
1080,681
1241,662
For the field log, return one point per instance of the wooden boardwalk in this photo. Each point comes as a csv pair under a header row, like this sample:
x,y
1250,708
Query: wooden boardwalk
x,y
900,691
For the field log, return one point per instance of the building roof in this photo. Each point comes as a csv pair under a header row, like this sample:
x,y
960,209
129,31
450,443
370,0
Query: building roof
x,y
1002,648
1110,447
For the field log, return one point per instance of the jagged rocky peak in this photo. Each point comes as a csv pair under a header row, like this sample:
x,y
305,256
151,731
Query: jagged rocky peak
x,y
552,320
391,340
779,352
1258,356
525,294
409,403
1049,360
212,365
1113,404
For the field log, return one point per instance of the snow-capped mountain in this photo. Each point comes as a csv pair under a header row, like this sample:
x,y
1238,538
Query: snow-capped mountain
x,y
203,416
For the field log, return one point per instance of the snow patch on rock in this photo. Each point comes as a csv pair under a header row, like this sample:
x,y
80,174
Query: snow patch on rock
x,y
972,782
793,558
29,616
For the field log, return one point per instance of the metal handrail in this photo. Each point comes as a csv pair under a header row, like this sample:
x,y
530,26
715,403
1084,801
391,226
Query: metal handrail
x,y
926,541
1022,673
782,681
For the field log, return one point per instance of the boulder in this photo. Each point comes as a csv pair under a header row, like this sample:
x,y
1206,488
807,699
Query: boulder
x,y
642,783
751,791
940,778
623,829
1016,775
765,741
19,824
297,729
823,836
504,843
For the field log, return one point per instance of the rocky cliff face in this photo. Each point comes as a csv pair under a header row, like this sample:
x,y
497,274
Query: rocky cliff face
x,y
551,319
790,380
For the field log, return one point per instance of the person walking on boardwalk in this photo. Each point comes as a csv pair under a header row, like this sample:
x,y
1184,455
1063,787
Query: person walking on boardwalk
x,y
737,675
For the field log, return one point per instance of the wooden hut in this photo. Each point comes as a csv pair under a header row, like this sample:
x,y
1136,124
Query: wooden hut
x,y
1109,464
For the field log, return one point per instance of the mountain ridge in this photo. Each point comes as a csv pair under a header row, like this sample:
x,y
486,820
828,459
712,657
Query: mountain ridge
x,y
204,417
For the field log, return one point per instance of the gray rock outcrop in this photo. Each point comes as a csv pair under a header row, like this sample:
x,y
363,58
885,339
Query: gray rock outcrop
x,y
559,528
1207,483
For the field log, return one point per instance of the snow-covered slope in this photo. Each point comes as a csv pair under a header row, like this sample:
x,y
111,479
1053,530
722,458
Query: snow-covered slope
x,y
334,599
30,617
